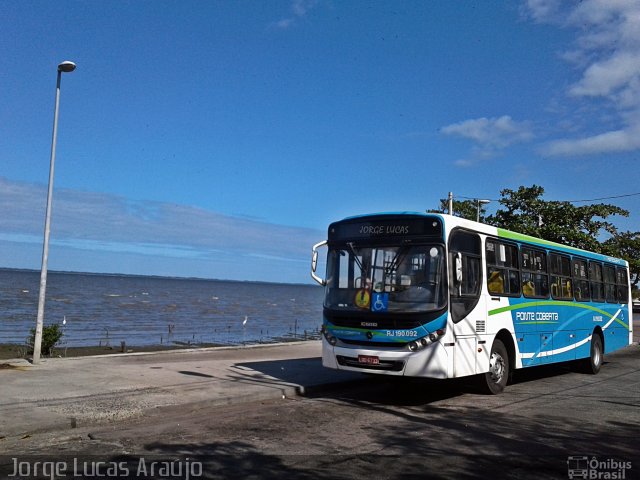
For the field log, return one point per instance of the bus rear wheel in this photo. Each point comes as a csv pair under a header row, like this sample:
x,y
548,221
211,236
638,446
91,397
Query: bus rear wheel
x,y
494,381
596,356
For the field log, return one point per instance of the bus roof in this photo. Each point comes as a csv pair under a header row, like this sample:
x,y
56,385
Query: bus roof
x,y
451,221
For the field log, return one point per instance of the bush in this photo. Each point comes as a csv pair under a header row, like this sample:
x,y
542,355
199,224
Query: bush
x,y
51,335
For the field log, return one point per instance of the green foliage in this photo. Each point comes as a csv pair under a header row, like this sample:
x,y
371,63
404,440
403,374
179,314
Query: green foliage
x,y
51,335
562,222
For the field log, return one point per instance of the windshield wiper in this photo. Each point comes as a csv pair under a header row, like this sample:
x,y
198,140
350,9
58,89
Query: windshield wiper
x,y
397,260
355,257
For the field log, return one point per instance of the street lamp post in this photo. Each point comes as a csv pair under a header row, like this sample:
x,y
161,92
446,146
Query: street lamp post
x,y
37,342
480,203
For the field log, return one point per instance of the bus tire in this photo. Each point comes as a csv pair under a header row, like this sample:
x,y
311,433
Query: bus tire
x,y
494,381
592,364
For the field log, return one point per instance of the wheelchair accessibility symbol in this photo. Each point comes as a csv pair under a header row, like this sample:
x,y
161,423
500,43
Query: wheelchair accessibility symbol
x,y
380,302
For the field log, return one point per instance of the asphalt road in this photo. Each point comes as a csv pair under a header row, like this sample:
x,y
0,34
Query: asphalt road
x,y
550,420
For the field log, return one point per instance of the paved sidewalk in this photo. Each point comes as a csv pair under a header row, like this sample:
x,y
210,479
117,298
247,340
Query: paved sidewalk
x,y
66,393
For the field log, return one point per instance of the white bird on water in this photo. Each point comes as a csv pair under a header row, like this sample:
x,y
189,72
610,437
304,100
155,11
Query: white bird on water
x,y
244,322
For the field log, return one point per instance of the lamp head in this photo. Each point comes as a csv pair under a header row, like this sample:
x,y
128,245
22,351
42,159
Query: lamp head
x,y
66,66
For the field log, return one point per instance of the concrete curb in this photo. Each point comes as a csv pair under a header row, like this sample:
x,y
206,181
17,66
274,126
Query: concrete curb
x,y
177,351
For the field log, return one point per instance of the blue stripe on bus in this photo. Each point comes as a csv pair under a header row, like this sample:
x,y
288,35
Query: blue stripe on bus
x,y
387,335
554,331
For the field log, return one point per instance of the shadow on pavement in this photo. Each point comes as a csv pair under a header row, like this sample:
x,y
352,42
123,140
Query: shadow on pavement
x,y
306,375
383,389
436,443
195,374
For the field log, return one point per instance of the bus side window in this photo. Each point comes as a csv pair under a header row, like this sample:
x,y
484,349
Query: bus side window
x,y
610,284
580,280
560,277
535,280
622,285
503,274
597,285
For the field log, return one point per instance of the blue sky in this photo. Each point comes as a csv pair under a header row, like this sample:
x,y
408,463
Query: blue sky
x,y
219,139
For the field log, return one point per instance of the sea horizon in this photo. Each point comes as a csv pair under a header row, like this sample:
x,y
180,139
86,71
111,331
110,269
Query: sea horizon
x,y
146,310
142,275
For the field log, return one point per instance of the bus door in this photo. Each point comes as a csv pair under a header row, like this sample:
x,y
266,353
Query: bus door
x,y
467,305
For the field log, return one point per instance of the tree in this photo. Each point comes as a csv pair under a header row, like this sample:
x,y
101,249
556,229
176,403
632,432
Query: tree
x,y
562,222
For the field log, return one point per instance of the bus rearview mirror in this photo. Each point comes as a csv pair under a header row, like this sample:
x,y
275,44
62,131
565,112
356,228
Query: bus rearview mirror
x,y
314,263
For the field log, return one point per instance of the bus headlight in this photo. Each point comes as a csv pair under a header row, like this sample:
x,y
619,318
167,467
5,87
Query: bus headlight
x,y
424,342
330,338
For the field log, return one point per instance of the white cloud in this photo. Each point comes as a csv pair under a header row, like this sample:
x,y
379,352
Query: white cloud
x,y
543,10
491,133
104,223
490,136
608,142
299,10
464,163
606,52
612,77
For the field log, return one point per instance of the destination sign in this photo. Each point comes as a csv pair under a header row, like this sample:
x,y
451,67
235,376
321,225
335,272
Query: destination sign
x,y
384,230
380,227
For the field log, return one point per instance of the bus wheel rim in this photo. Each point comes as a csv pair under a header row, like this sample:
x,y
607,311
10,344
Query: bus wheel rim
x,y
597,355
496,367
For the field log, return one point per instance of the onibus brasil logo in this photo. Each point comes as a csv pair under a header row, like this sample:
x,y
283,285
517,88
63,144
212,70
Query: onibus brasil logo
x,y
595,468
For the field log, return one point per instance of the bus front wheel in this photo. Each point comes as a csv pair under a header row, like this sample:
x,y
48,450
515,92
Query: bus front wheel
x,y
494,381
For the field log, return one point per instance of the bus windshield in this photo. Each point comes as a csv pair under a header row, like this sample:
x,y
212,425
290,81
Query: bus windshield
x,y
401,279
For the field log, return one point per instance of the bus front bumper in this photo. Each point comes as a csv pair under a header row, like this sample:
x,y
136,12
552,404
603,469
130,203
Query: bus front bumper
x,y
431,362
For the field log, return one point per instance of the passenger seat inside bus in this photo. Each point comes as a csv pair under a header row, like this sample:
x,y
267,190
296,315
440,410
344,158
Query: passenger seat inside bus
x,y
528,289
496,282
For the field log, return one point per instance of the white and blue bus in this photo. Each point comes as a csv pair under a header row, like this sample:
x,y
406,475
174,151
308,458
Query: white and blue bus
x,y
431,295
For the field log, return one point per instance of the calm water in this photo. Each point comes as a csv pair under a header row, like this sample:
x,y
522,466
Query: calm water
x,y
106,309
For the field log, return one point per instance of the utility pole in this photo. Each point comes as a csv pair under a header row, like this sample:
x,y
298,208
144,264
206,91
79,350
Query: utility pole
x,y
450,208
480,203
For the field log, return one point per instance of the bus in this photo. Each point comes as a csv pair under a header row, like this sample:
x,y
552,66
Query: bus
x,y
434,295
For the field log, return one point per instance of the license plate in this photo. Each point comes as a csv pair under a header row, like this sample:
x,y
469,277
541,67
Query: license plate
x,y
368,360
